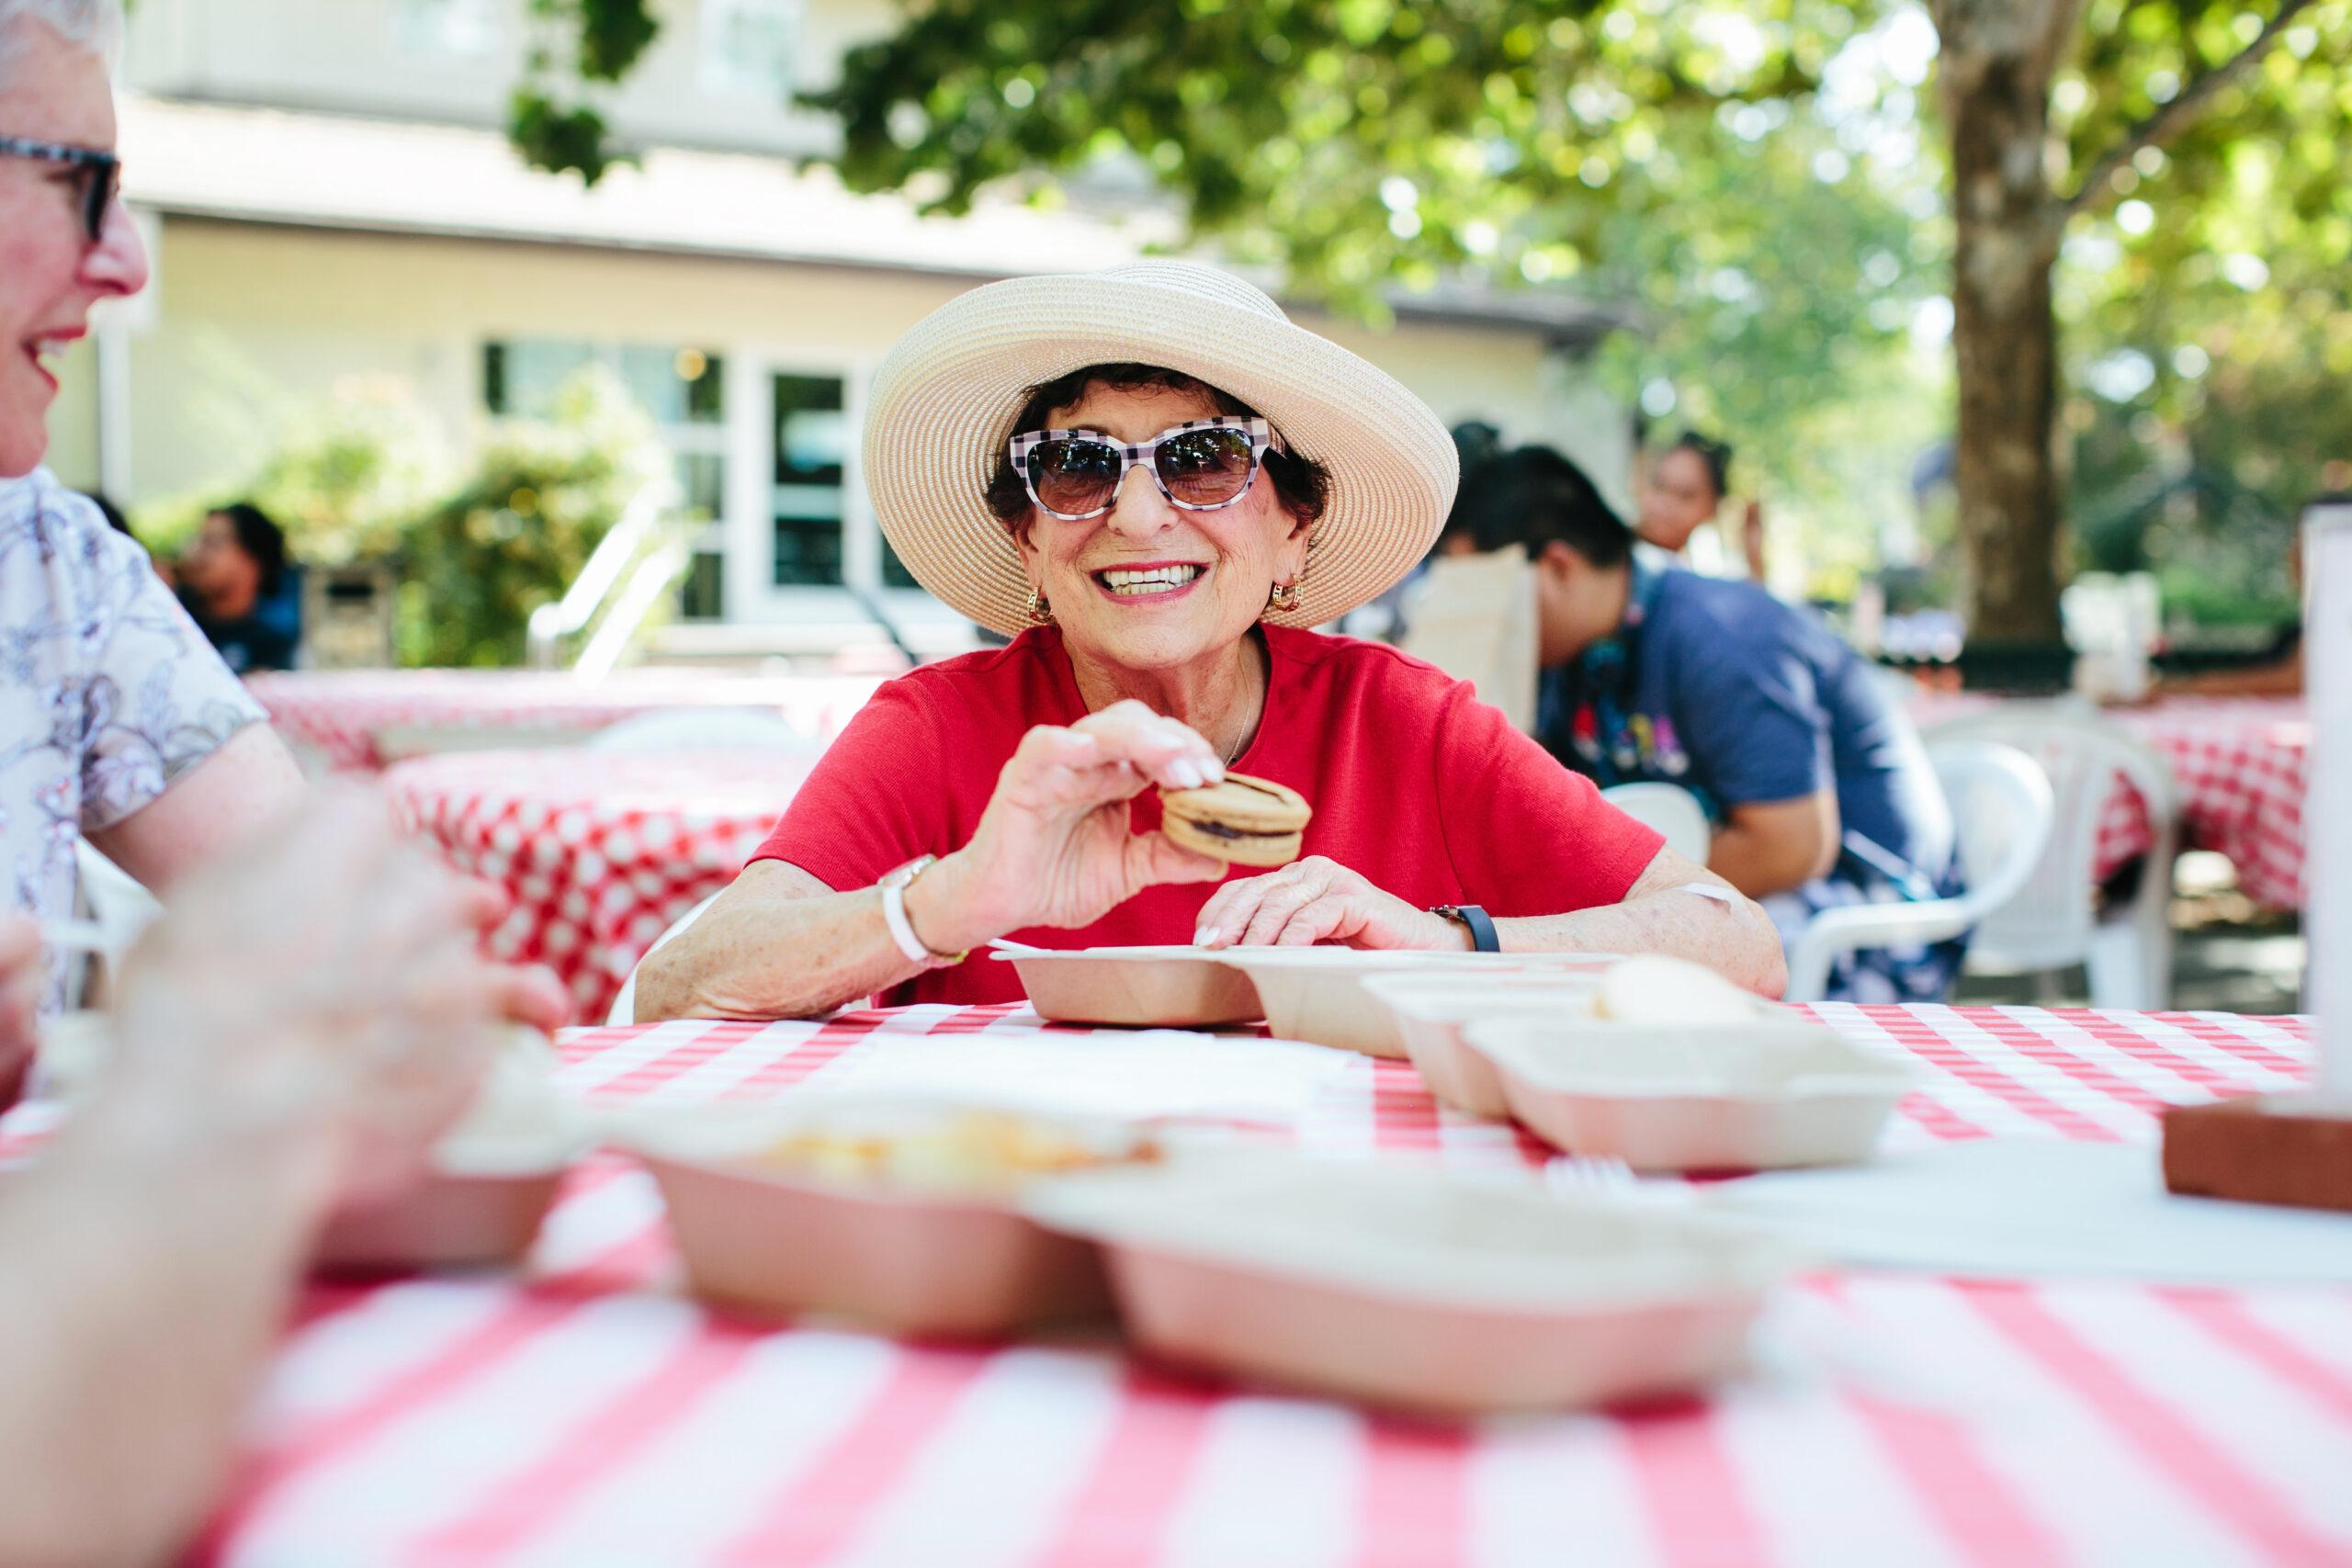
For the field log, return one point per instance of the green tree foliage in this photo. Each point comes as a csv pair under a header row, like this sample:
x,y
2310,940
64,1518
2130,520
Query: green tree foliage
x,y
1361,144
480,542
577,47
520,526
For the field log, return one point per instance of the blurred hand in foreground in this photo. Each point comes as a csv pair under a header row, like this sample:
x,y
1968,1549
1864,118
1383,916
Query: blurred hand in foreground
x,y
326,985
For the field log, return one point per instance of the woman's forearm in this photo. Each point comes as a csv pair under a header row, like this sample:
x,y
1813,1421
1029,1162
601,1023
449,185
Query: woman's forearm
x,y
148,1269
771,947
1737,941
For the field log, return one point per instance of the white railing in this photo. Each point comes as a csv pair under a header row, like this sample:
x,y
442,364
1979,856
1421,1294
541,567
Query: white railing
x,y
550,624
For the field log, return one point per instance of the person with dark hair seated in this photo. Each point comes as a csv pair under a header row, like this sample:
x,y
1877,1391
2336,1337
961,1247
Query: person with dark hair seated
x,y
237,584
1683,489
1818,786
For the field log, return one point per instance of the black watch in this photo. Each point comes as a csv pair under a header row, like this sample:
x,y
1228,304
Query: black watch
x,y
1481,926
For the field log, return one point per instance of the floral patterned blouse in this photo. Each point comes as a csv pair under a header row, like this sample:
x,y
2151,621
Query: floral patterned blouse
x,y
108,691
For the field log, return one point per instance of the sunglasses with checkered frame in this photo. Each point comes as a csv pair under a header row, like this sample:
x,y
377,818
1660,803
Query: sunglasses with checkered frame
x,y
1201,465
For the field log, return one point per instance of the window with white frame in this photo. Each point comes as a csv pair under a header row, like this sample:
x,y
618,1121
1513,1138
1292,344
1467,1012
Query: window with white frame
x,y
682,389
811,452
748,48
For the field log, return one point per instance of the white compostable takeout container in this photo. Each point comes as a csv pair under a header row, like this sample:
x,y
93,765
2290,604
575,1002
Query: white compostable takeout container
x,y
1754,1096
1431,1011
1318,994
1181,987
1412,1288
923,1257
481,1200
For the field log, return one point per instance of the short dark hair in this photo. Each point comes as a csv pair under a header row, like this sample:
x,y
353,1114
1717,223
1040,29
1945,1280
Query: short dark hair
x,y
1303,485
1531,496
1714,454
260,539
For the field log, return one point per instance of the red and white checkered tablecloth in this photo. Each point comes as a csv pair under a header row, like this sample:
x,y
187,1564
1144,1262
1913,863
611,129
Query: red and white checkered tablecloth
x,y
2239,765
600,850
587,1414
339,713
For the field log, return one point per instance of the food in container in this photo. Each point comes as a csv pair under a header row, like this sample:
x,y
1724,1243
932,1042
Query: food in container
x,y
900,1213
1770,1092
1318,994
1238,819
1181,987
1418,1288
1431,1011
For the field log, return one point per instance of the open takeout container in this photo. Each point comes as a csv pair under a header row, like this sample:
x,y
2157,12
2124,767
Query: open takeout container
x,y
1431,1011
1769,1093
490,1182
479,1202
778,1209
1318,994
1148,987
1413,1287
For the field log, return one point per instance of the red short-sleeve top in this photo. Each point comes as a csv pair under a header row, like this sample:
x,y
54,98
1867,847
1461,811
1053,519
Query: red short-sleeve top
x,y
1416,785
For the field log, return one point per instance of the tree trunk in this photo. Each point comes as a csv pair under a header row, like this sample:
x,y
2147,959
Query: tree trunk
x,y
1996,90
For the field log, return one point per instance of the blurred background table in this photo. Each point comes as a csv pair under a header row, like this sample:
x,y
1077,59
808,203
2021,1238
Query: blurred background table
x,y
2239,765
600,850
365,719
586,1412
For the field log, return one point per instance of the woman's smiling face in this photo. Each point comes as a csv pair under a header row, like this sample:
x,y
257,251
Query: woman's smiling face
x,y
1150,585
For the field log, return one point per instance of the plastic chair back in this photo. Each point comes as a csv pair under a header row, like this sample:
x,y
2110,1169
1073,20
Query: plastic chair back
x,y
1672,809
2051,921
2001,811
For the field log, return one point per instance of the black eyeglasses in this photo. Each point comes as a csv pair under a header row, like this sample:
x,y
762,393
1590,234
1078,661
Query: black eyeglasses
x,y
102,175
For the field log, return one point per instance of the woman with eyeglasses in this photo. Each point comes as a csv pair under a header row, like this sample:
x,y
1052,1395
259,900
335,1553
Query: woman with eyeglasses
x,y
1155,483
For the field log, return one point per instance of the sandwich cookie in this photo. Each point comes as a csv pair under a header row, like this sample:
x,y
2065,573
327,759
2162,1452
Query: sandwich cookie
x,y
1242,820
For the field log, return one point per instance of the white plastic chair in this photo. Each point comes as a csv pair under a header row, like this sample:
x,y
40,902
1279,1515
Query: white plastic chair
x,y
624,1009
704,729
1672,809
2001,807
2054,922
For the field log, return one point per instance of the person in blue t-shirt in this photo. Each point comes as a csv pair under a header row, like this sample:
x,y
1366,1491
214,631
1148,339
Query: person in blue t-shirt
x,y
1819,789
236,583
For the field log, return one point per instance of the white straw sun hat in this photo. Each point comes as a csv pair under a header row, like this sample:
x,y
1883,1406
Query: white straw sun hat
x,y
942,408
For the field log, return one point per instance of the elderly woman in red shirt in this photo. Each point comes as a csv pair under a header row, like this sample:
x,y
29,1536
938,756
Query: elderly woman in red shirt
x,y
1160,636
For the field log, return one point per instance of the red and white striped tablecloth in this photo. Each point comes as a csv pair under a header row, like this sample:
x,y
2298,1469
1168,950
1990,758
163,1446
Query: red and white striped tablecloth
x,y
2239,766
600,850
588,1415
339,713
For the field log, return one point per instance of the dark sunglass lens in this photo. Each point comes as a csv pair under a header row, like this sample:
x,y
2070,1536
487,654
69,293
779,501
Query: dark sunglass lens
x,y
1074,476
1202,468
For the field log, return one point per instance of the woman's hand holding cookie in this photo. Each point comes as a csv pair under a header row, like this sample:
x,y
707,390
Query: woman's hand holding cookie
x,y
1054,847
1319,900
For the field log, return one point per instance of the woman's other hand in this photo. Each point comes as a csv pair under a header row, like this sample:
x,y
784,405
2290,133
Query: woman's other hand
x,y
1054,847
1319,900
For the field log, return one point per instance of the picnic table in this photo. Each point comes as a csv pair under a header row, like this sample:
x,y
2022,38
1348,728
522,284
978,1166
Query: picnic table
x,y
2240,765
361,720
600,850
587,1413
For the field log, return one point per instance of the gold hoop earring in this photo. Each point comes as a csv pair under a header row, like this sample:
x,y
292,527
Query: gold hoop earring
x,y
1040,613
1285,599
